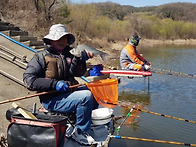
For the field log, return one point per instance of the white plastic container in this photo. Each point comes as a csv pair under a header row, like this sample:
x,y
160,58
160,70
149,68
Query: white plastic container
x,y
101,116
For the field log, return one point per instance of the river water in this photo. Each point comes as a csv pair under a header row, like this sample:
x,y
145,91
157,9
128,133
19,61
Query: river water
x,y
171,95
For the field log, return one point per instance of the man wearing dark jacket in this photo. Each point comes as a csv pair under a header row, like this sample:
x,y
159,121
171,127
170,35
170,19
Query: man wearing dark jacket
x,y
54,69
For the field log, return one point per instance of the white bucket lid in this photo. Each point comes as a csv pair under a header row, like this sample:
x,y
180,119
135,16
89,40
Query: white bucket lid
x,y
102,113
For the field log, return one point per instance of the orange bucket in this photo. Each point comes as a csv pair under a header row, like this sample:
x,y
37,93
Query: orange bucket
x,y
105,92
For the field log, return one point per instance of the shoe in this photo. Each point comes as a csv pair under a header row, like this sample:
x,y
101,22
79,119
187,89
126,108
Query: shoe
x,y
83,138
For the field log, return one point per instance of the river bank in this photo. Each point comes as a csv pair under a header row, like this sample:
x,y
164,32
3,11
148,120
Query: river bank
x,y
113,48
153,42
180,42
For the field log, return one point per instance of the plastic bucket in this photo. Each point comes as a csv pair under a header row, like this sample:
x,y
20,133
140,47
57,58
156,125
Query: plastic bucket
x,y
101,116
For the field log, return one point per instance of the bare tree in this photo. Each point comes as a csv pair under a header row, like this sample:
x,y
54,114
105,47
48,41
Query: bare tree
x,y
45,6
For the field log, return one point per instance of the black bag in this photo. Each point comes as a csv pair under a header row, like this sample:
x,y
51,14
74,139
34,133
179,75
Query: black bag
x,y
46,131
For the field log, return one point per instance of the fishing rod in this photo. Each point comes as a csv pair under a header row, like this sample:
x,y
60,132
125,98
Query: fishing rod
x,y
152,140
173,72
159,114
180,75
177,118
25,97
37,94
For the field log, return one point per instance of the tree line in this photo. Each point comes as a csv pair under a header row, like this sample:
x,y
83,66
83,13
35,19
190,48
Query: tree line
x,y
103,20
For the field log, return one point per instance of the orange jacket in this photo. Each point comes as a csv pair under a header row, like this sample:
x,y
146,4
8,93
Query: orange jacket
x,y
129,55
136,57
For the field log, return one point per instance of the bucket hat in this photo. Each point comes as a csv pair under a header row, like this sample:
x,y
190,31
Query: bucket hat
x,y
56,32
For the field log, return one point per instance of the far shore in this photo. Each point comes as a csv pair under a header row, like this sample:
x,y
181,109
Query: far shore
x,y
153,42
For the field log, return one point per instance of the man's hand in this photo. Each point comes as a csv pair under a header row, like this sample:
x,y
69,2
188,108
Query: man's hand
x,y
90,54
148,63
62,86
86,55
147,67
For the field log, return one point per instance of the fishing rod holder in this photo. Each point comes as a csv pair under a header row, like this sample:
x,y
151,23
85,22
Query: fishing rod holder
x,y
128,114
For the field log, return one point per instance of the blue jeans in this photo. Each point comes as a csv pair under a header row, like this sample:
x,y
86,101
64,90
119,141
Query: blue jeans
x,y
80,101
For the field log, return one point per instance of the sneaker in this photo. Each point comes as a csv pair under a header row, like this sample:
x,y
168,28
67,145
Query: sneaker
x,y
83,138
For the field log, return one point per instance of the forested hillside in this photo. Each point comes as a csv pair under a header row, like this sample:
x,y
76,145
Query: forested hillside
x,y
109,21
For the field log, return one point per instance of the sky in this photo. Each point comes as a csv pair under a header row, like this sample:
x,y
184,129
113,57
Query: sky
x,y
135,3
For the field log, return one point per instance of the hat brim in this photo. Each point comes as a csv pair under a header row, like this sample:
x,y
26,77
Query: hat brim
x,y
57,36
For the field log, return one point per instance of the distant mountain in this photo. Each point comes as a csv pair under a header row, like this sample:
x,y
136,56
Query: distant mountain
x,y
175,11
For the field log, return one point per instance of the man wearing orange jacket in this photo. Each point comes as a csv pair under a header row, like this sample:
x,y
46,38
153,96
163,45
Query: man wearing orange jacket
x,y
130,59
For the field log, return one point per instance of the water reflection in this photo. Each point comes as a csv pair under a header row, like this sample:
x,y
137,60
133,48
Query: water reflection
x,y
129,100
134,97
169,95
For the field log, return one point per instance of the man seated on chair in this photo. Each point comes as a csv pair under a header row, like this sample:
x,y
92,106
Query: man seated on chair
x,y
54,68
130,59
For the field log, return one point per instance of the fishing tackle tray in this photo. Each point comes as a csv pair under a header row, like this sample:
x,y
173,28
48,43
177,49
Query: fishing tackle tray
x,y
45,131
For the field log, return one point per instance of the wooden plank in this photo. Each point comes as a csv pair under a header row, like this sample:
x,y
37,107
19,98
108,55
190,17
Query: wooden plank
x,y
23,111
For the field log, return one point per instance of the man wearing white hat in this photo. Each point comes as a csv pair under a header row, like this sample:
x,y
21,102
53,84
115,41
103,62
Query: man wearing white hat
x,y
54,69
